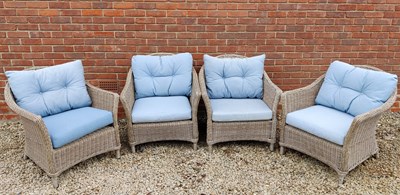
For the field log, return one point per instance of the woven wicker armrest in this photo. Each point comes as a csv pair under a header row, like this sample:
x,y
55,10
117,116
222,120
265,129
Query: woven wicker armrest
x,y
18,110
301,98
364,125
33,123
271,94
128,96
196,94
204,93
103,99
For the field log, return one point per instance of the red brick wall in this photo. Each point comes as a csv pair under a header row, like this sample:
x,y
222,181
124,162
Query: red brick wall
x,y
299,37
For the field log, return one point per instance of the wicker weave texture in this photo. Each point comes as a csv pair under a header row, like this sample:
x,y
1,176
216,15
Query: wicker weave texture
x,y
264,131
359,144
140,133
38,146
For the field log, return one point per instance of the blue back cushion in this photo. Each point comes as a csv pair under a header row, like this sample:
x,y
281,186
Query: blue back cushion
x,y
50,90
162,75
355,90
234,77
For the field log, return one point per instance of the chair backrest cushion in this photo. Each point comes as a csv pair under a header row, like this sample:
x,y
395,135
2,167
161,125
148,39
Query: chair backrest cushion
x,y
162,75
234,77
355,90
50,90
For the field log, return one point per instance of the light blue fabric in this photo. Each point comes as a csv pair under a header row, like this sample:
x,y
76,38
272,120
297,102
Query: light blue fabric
x,y
234,77
323,122
162,75
240,110
71,125
161,109
50,90
355,90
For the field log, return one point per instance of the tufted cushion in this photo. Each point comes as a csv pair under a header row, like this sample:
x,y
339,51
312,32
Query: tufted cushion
x,y
355,90
162,75
50,90
323,122
234,77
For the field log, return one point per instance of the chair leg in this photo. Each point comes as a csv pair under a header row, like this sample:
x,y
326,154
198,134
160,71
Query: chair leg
x,y
118,153
342,175
376,155
210,148
54,181
133,148
25,157
194,146
282,150
139,148
271,147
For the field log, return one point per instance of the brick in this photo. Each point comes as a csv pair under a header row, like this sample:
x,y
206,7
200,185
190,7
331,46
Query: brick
x,y
37,4
27,12
92,12
103,20
93,27
71,13
17,34
50,27
102,5
61,34
71,27
113,13
192,29
73,41
155,27
152,13
8,12
41,48
32,27
8,27
81,5
123,5
39,19
12,4
63,48
135,13
166,20
145,5
59,5
49,12
40,34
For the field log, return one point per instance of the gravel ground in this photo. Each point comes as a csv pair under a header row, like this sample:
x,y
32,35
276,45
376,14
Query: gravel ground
x,y
175,168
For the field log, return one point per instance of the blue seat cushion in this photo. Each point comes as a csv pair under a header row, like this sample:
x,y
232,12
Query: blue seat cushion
x,y
162,75
50,90
355,90
323,122
240,110
71,125
161,109
234,77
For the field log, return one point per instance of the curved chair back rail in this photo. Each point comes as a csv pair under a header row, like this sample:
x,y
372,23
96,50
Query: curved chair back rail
x,y
140,133
38,146
264,131
359,144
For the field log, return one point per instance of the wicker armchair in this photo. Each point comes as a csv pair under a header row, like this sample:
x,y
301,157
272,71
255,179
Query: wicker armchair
x,y
242,130
139,133
38,145
359,143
